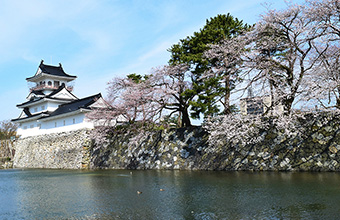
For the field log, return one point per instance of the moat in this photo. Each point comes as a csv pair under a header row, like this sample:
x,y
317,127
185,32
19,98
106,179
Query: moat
x,y
112,194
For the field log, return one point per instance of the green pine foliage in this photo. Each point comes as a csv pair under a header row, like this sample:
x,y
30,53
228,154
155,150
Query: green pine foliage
x,y
191,50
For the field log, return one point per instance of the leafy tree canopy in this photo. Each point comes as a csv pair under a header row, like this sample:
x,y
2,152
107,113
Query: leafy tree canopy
x,y
7,129
190,51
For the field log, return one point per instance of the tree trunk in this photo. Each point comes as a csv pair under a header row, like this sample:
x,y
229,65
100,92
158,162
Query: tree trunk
x,y
179,119
287,105
227,109
337,98
272,103
337,103
185,118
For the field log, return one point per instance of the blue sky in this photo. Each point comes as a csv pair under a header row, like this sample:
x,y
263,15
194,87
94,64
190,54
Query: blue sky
x,y
97,40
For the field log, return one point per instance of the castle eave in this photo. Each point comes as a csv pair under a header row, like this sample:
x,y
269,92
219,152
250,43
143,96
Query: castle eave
x,y
32,118
41,76
48,118
30,103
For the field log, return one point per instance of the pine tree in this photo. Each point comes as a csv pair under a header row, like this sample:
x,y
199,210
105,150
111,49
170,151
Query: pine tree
x,y
212,90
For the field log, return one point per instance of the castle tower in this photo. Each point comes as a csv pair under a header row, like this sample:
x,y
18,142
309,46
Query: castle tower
x,y
51,106
49,78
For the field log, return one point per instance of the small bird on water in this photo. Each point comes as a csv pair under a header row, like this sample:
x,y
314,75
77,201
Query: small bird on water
x,y
139,192
161,190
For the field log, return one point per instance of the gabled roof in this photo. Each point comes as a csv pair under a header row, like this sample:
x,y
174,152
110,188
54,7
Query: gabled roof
x,y
51,70
61,88
38,93
40,100
35,94
67,108
84,103
51,96
30,116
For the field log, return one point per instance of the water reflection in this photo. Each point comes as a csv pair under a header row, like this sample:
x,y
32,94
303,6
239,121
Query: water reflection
x,y
112,194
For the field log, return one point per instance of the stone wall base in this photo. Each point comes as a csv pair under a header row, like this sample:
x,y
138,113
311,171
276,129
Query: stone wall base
x,y
183,149
67,150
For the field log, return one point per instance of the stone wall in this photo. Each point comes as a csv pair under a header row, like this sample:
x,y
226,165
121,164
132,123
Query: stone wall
x,y
174,149
58,151
317,150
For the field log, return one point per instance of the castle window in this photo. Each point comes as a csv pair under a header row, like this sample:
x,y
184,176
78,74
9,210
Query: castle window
x,y
74,121
64,123
42,107
35,109
39,126
25,127
55,124
49,83
32,126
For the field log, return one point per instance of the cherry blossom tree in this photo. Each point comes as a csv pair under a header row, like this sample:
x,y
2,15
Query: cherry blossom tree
x,y
234,129
326,13
173,87
291,55
277,54
323,85
239,130
146,99
7,129
131,98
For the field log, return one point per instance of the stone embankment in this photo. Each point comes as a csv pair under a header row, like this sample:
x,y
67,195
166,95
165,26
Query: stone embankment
x,y
174,149
68,150
317,150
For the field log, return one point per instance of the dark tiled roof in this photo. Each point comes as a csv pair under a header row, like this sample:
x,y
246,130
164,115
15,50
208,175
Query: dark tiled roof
x,y
55,91
52,70
37,92
48,96
29,115
67,107
27,112
76,105
58,90
32,101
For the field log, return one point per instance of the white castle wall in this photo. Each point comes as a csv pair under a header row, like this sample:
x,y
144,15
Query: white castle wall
x,y
70,123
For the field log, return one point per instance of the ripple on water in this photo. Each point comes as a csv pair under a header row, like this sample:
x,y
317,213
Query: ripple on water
x,y
107,194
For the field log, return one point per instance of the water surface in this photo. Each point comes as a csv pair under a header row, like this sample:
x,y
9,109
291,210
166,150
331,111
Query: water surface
x,y
112,194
